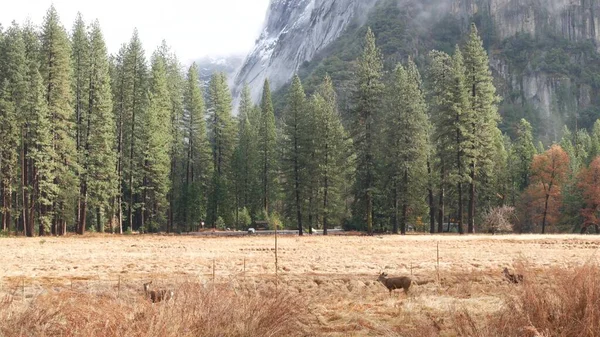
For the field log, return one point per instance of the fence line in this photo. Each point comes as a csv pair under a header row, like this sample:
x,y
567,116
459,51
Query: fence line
x,y
25,287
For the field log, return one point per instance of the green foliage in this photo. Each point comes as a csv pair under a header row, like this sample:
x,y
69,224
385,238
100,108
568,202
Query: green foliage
x,y
369,90
220,223
332,159
100,156
223,140
157,138
244,219
246,158
405,132
56,71
275,221
296,151
267,136
198,163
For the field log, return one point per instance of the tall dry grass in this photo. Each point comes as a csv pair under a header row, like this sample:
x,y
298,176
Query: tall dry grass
x,y
195,311
553,303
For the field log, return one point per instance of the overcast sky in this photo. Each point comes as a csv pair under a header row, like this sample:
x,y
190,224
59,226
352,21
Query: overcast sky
x,y
193,28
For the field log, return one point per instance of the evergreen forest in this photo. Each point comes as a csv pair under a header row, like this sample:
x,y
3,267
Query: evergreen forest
x,y
120,143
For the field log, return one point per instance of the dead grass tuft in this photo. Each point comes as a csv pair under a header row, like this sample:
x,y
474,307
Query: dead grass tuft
x,y
567,305
196,311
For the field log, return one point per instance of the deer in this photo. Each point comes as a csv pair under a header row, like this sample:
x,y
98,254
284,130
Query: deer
x,y
513,278
402,282
393,283
158,295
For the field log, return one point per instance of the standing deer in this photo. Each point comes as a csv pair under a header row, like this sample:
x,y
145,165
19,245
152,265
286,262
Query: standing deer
x,y
393,283
158,295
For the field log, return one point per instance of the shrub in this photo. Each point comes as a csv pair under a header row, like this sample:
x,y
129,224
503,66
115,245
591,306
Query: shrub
x,y
569,305
220,223
499,219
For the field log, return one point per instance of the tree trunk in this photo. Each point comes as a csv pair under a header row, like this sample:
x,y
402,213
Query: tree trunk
x,y
471,219
441,215
145,197
99,220
369,213
3,208
545,214
266,181
404,204
460,209
310,214
431,201
396,224
325,202
298,203
24,184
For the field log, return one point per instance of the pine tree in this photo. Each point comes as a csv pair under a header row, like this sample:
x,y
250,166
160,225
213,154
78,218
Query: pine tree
x,y
100,175
294,147
333,153
134,101
157,141
175,83
247,157
267,138
524,151
595,141
223,134
483,111
117,75
56,71
449,103
367,99
406,135
198,168
80,65
444,134
13,91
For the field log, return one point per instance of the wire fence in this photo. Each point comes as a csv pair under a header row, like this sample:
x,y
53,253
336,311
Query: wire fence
x,y
27,288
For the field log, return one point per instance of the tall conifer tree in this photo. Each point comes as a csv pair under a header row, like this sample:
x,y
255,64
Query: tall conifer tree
x,y
295,151
223,140
267,138
483,111
56,71
367,99
406,135
101,158
199,162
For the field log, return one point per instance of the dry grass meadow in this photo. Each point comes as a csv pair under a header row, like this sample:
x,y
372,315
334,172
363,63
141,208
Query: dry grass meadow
x,y
325,286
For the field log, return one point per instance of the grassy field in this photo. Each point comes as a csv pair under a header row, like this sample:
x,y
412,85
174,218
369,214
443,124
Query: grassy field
x,y
325,286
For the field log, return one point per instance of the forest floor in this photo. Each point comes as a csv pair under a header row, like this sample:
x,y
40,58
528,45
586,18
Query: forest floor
x,y
334,276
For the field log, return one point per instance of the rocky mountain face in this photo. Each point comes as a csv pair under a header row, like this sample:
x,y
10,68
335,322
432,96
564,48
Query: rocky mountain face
x,y
544,53
294,32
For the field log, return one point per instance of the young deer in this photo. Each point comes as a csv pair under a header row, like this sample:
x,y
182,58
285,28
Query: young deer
x,y
393,283
158,295
513,278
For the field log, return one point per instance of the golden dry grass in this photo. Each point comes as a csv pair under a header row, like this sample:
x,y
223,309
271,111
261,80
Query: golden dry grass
x,y
328,283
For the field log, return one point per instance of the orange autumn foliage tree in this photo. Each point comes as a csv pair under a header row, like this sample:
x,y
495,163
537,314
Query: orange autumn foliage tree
x,y
589,184
544,195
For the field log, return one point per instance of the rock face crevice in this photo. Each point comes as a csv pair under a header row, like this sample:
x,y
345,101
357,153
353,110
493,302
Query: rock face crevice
x,y
294,32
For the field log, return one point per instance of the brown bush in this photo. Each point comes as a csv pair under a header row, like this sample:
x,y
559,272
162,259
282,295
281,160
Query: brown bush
x,y
558,302
195,311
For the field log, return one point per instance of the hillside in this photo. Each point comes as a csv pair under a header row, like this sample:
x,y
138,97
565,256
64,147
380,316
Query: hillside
x,y
544,54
